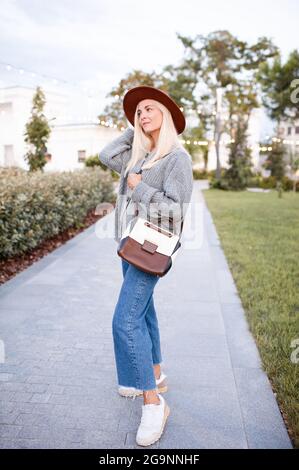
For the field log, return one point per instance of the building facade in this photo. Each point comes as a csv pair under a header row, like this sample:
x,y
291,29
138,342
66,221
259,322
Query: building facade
x,y
71,139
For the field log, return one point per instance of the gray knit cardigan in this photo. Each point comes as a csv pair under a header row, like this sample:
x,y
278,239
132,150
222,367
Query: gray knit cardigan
x,y
163,194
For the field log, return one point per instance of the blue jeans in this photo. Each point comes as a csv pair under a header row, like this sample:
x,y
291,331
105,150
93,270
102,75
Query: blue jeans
x,y
135,330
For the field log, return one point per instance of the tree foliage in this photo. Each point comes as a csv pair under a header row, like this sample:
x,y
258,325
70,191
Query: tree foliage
x,y
37,133
278,82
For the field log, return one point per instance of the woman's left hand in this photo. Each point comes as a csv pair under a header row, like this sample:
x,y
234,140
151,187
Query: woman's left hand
x,y
133,180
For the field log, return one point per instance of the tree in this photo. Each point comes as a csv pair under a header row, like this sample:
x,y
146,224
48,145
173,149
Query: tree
x,y
276,80
37,133
220,60
241,99
275,159
239,171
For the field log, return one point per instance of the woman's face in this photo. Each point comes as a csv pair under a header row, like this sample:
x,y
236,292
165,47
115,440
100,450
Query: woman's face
x,y
149,116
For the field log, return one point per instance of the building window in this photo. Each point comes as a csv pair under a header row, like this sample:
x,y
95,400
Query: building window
x,y
9,159
5,109
81,155
297,130
289,130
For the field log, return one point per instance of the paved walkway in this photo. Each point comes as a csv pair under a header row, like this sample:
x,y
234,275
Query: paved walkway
x,y
58,383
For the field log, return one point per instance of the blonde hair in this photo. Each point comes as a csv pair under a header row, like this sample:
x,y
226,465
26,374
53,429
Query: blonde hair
x,y
168,140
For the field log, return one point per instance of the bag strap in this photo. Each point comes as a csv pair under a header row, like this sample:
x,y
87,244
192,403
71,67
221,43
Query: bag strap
x,y
159,217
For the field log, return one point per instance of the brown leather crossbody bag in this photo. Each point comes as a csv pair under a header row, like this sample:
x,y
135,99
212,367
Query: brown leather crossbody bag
x,y
149,247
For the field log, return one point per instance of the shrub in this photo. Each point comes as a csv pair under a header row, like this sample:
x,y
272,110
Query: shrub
x,y
94,160
212,173
200,174
288,184
254,182
268,182
215,182
219,184
36,206
11,171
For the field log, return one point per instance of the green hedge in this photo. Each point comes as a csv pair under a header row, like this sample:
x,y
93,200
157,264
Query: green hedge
x,y
270,182
256,181
199,174
36,206
93,160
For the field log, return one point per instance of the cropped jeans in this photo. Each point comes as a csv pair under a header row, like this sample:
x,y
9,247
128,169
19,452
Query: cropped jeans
x,y
135,330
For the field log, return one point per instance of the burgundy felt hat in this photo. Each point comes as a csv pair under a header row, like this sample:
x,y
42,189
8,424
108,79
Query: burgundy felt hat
x,y
139,93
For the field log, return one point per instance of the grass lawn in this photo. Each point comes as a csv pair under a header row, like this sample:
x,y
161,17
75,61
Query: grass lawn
x,y
259,233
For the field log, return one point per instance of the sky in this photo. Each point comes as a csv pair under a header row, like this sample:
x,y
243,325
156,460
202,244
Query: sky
x,y
96,43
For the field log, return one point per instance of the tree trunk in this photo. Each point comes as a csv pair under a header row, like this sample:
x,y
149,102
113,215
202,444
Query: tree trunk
x,y
217,147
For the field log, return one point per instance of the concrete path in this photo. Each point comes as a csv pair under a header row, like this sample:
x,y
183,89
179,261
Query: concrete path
x,y
58,384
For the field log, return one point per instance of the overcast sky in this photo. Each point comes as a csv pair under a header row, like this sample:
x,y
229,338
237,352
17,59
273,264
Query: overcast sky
x,y
96,42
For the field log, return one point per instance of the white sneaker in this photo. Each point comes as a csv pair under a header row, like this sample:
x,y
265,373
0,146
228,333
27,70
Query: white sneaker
x,y
152,422
135,392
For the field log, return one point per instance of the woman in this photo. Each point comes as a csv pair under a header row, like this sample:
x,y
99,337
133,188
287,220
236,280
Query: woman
x,y
163,188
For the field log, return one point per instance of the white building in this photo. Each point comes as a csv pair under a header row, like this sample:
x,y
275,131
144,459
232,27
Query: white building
x,y
72,137
289,132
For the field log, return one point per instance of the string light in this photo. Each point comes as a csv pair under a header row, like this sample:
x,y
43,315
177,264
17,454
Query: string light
x,y
53,80
195,142
275,139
